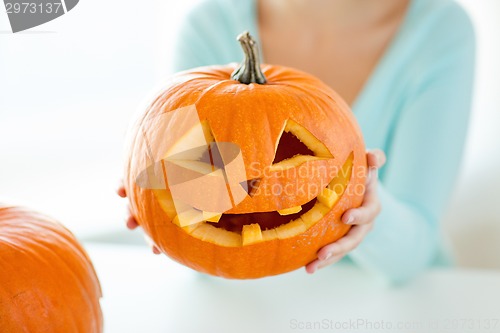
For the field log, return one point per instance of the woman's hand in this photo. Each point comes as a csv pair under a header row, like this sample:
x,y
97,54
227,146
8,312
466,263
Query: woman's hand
x,y
361,218
132,223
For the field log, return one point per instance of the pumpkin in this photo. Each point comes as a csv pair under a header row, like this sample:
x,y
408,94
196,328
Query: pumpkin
x,y
244,171
47,282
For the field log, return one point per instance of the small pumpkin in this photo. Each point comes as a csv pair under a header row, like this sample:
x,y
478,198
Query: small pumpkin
x,y
244,171
47,282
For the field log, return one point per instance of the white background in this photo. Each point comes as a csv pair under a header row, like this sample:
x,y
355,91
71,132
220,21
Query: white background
x,y
69,87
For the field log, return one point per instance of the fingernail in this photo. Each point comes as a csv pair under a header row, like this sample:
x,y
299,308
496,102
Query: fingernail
x,y
350,220
328,255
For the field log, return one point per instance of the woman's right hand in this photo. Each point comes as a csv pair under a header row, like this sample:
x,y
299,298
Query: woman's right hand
x,y
132,223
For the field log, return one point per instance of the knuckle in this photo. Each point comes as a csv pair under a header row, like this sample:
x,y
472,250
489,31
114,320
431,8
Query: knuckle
x,y
349,246
361,216
354,245
375,208
343,247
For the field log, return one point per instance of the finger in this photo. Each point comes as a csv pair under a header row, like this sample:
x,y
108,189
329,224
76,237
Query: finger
x,y
331,261
312,266
156,250
131,223
151,244
375,158
370,207
346,244
318,264
121,191
374,162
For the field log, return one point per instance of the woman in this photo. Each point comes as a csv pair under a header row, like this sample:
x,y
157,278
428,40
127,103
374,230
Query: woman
x,y
406,69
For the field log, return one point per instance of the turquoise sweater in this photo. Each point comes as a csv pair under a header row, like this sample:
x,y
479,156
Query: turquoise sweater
x,y
415,106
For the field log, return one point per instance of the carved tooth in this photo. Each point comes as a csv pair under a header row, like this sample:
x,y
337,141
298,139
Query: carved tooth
x,y
291,229
188,217
211,216
251,234
269,234
314,214
328,197
289,211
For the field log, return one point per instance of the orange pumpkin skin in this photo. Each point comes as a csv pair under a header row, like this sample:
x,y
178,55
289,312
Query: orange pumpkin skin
x,y
47,282
251,116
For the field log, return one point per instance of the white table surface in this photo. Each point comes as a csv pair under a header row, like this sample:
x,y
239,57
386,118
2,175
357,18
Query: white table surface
x,y
152,294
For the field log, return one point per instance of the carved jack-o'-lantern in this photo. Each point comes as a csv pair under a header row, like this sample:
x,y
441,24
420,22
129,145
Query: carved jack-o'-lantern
x,y
244,172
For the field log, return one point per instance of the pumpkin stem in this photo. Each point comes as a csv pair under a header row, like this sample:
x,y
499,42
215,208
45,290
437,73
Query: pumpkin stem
x,y
249,71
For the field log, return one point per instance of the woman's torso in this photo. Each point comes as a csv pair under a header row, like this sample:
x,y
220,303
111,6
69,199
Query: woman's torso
x,y
340,42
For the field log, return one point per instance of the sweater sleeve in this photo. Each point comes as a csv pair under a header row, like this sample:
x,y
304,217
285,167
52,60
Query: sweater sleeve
x,y
424,154
192,42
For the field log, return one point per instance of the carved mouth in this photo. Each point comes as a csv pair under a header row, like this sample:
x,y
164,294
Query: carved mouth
x,y
234,230
266,220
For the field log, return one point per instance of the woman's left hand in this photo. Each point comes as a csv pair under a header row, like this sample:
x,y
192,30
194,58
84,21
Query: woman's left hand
x,y
361,218
132,224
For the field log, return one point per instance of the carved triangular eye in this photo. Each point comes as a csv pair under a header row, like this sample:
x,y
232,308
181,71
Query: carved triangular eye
x,y
290,146
296,140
